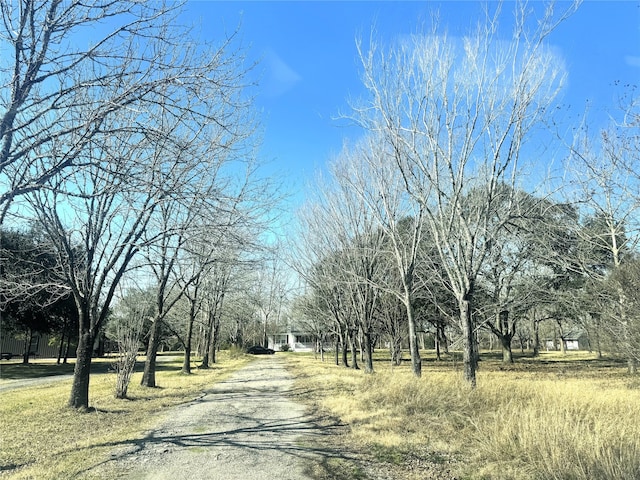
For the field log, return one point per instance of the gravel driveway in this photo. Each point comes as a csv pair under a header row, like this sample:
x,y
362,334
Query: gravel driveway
x,y
243,428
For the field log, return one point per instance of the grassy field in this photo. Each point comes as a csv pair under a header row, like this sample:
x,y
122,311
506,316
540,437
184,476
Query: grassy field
x,y
554,417
40,438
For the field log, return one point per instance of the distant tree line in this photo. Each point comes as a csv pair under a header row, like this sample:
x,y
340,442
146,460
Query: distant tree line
x,y
446,216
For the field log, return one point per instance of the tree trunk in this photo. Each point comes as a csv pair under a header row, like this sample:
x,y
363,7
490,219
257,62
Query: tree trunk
x,y
80,389
67,350
149,374
367,348
215,340
186,364
505,335
62,337
344,349
396,350
507,354
205,349
265,338
440,340
632,366
336,350
354,351
468,355
213,348
536,337
207,342
476,346
28,338
598,345
345,354
416,361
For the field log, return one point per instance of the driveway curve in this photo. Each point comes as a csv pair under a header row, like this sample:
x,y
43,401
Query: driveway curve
x,y
242,428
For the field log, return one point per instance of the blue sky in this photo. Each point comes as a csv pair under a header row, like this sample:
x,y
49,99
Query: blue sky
x,y
309,64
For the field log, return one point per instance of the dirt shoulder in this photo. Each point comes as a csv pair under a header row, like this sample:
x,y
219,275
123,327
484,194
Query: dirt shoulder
x,y
244,427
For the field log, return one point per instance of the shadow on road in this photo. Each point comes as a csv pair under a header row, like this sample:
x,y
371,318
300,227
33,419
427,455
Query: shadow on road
x,y
249,416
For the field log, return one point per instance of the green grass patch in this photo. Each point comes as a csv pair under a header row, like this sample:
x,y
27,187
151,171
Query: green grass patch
x,y
44,439
13,370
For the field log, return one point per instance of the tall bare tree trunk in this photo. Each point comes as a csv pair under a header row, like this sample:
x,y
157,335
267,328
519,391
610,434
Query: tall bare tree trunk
x,y
367,348
79,397
468,354
149,373
207,345
505,334
67,350
536,337
507,354
416,361
354,350
395,346
215,340
209,350
186,364
440,340
28,339
344,349
63,334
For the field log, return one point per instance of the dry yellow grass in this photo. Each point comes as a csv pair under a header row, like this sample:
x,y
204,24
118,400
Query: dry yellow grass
x,y
551,418
43,439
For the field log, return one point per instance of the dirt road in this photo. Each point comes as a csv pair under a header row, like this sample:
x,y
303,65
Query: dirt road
x,y
243,428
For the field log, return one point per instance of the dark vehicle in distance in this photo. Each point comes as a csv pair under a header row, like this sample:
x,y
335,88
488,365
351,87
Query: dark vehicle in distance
x,y
258,350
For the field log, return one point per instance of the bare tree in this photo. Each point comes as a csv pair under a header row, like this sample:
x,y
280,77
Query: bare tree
x,y
341,228
58,91
369,173
164,246
269,292
315,257
520,268
622,287
604,181
180,244
392,317
455,115
141,160
208,270
126,327
312,317
216,285
95,234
